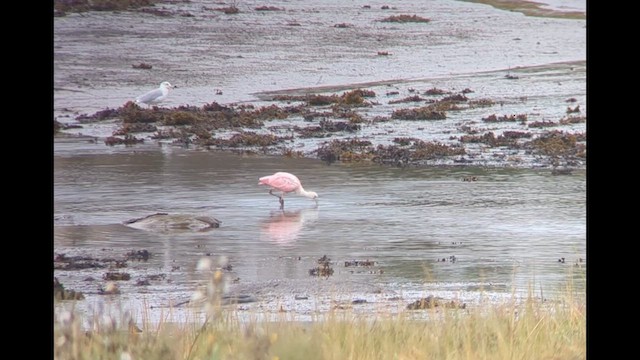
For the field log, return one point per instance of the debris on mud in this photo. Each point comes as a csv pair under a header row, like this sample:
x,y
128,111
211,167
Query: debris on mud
x,y
60,293
419,151
127,128
229,10
268,8
516,134
157,12
431,302
359,263
559,144
246,139
116,276
422,113
435,91
405,19
140,255
542,124
128,140
451,258
325,127
63,262
489,138
345,150
61,7
512,118
414,98
100,115
143,66
350,98
324,269
411,150
481,103
455,98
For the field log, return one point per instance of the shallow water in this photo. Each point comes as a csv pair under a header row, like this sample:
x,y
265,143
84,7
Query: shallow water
x,y
507,230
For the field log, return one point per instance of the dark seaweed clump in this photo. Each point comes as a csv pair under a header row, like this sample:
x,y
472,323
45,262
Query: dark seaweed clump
x,y
435,91
413,98
345,150
324,269
352,98
61,7
229,10
116,276
268,8
410,150
143,66
508,138
197,125
542,124
246,139
421,113
405,19
559,144
325,127
506,118
142,255
419,150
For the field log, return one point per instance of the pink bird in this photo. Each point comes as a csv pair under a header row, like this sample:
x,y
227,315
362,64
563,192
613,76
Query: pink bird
x,y
286,183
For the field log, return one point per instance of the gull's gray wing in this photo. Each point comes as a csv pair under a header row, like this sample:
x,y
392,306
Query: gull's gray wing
x,y
150,96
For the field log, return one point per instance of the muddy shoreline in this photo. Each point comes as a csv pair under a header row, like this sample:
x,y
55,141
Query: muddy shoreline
x,y
455,117
340,123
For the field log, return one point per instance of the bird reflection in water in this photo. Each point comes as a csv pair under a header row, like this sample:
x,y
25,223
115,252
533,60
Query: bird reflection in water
x,y
283,227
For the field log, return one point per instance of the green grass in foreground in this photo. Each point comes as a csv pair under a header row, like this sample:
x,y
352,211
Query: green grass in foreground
x,y
524,330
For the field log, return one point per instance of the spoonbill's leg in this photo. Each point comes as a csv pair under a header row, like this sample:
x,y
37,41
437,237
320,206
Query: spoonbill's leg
x,y
281,203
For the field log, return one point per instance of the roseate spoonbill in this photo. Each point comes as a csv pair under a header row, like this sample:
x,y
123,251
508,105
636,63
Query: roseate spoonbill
x,y
286,183
155,96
